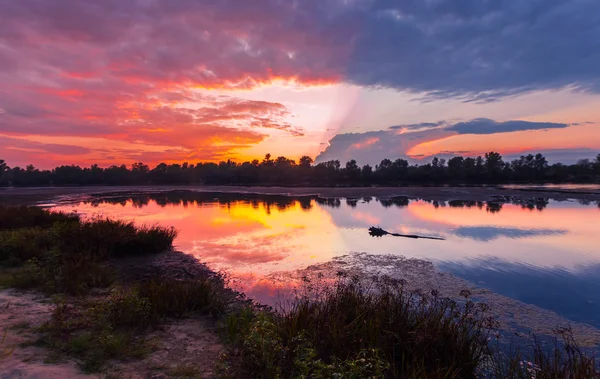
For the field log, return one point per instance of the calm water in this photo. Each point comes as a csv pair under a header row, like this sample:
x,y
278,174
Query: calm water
x,y
540,252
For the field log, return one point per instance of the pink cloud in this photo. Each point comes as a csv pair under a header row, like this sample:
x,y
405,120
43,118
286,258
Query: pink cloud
x,y
127,71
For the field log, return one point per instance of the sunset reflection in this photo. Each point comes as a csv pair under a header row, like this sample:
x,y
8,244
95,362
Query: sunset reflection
x,y
256,239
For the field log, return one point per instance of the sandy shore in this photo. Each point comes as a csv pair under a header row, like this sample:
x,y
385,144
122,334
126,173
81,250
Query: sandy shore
x,y
40,194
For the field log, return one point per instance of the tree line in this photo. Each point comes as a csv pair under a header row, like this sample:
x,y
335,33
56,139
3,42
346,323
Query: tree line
x,y
490,168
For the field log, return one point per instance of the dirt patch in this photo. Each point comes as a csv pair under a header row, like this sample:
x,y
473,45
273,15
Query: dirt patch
x,y
171,264
20,316
189,348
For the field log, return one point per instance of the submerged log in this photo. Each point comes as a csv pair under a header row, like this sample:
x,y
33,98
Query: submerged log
x,y
378,232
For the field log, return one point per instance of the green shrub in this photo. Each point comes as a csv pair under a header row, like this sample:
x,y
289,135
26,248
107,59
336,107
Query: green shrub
x,y
55,273
19,246
96,332
124,309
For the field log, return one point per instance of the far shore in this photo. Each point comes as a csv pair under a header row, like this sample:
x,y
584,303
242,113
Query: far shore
x,y
22,195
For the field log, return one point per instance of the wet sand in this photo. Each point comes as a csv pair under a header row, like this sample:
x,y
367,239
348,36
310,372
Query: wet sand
x,y
40,194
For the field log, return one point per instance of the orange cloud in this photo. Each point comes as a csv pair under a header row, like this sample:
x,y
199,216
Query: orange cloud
x,y
366,143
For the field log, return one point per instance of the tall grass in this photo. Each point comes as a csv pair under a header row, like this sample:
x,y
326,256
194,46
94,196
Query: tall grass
x,y
61,253
379,330
392,332
102,239
565,359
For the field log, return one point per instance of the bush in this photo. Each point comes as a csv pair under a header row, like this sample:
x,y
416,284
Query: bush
x,y
56,273
98,330
19,246
378,330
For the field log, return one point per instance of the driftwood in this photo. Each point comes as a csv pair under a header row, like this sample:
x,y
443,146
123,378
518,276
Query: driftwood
x,y
378,232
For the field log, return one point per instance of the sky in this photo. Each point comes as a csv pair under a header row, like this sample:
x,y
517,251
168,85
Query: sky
x,y
117,82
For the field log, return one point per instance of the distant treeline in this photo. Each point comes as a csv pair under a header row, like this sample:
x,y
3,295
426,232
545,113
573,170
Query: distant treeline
x,y
490,168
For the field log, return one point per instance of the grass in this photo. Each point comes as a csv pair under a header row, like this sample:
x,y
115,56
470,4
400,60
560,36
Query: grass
x,y
379,330
357,330
84,332
99,330
566,359
60,253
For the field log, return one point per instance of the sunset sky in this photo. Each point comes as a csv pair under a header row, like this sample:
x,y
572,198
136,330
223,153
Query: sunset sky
x,y
115,81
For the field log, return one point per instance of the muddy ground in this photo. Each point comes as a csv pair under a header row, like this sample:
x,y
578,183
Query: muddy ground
x,y
41,194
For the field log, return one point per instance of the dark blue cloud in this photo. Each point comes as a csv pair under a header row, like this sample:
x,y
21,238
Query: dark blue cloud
x,y
478,49
487,126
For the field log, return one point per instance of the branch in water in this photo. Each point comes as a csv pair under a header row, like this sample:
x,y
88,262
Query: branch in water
x,y
378,232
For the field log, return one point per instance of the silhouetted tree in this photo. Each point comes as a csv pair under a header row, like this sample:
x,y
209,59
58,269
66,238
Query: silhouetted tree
x,y
284,171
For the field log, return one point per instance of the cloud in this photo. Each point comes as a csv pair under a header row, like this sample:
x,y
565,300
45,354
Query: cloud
x,y
477,50
487,126
397,141
14,149
112,69
21,144
372,147
469,49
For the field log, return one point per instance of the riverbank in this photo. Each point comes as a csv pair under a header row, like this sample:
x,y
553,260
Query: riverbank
x,y
30,195
104,298
189,346
111,299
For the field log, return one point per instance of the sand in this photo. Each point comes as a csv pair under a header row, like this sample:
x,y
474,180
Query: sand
x,y
20,314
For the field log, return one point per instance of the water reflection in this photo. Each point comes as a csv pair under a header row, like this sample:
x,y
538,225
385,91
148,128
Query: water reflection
x,y
186,198
489,233
575,295
516,245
